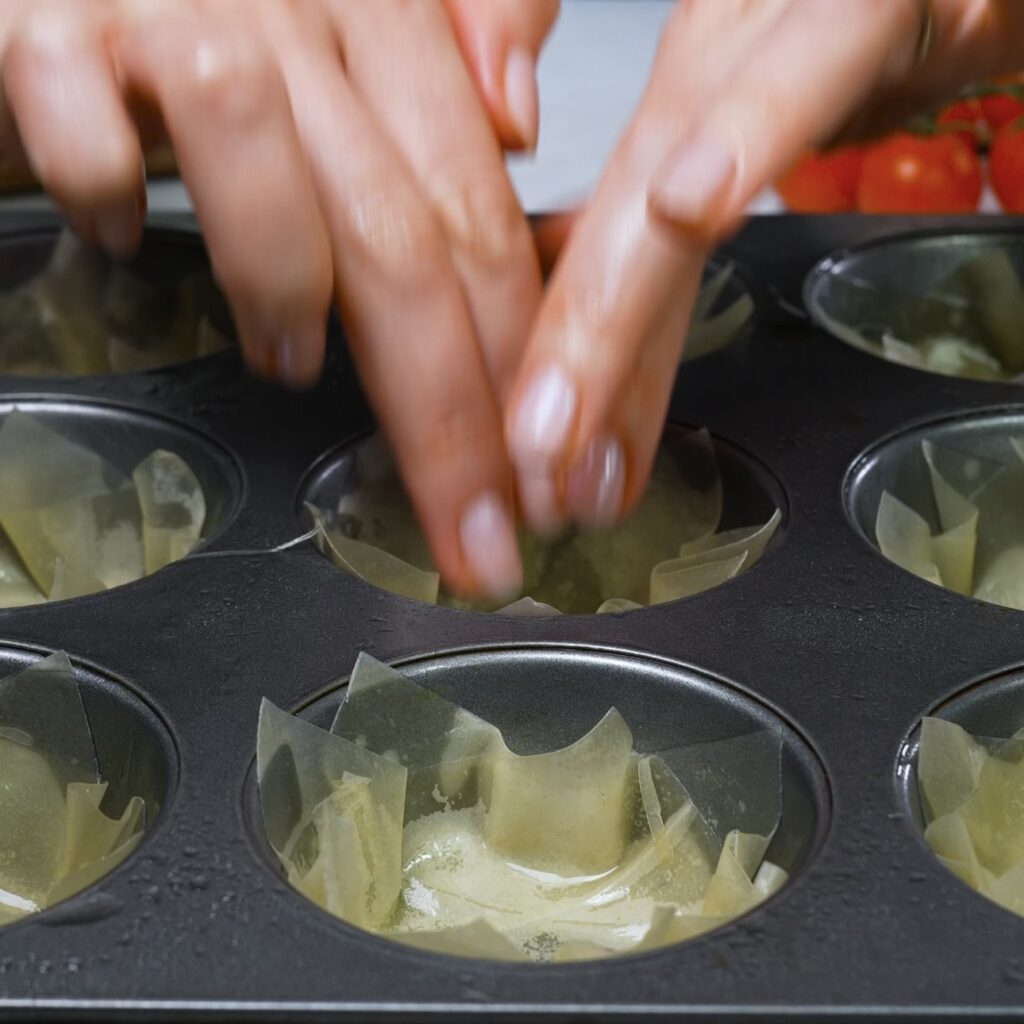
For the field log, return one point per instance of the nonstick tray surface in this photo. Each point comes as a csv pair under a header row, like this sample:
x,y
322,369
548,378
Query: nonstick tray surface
x,y
847,649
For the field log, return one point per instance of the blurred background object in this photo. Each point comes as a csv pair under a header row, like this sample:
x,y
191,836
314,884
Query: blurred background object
x,y
591,75
966,156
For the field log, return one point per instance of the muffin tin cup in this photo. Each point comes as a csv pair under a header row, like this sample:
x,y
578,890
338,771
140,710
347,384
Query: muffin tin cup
x,y
912,286
750,493
124,435
823,633
988,707
544,697
896,465
166,256
991,707
135,754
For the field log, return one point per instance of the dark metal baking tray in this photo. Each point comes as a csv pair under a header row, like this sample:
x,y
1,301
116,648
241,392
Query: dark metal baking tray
x,y
823,634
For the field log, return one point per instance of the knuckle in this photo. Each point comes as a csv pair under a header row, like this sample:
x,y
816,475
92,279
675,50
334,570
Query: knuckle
x,y
599,327
651,135
106,166
644,146
38,43
231,76
483,221
394,235
43,33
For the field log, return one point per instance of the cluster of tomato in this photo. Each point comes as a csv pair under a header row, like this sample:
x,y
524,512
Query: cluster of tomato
x,y
936,169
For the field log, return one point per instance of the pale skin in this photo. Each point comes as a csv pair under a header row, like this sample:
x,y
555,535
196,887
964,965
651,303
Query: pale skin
x,y
351,150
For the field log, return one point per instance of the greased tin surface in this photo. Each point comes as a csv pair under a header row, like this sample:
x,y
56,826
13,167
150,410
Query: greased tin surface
x,y
822,634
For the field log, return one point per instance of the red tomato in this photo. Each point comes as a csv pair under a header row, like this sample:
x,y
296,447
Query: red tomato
x,y
965,119
1006,167
1000,108
822,182
920,174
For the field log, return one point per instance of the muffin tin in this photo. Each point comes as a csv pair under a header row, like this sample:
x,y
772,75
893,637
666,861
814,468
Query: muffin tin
x,y
823,638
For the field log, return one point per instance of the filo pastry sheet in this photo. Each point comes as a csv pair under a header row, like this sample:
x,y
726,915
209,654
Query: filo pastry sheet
x,y
73,524
968,534
412,818
713,325
971,790
670,547
57,836
85,315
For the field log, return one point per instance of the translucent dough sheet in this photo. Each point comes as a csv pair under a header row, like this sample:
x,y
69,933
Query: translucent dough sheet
x,y
970,536
83,315
74,525
724,308
56,838
413,818
971,794
955,310
173,508
671,547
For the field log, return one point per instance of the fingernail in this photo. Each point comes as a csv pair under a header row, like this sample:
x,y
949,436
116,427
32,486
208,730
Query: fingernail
x,y
286,361
694,179
538,499
119,231
489,546
297,359
521,95
541,424
596,482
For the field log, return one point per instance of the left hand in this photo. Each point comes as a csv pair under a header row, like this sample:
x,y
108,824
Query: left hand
x,y
330,147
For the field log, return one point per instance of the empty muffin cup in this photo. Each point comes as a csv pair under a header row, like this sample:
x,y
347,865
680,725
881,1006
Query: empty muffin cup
x,y
96,496
67,310
709,513
947,303
85,768
943,500
536,803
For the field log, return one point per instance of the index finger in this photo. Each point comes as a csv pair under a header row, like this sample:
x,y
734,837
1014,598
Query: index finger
x,y
409,327
221,95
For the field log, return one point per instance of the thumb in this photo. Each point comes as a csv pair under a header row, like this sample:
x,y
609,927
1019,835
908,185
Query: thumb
x,y
501,41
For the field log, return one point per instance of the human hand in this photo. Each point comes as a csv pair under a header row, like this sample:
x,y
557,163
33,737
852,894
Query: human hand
x,y
738,90
331,148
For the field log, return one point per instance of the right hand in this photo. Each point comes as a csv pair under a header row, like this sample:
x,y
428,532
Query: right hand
x,y
331,148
